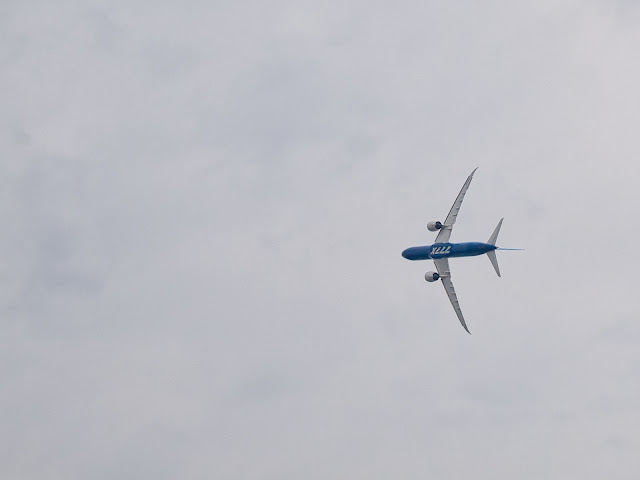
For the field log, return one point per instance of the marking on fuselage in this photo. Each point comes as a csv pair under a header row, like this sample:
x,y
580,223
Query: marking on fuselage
x,y
441,250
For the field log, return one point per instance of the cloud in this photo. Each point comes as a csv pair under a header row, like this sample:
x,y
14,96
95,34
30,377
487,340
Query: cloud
x,y
204,209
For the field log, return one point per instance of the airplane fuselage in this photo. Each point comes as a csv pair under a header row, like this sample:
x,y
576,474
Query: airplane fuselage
x,y
447,250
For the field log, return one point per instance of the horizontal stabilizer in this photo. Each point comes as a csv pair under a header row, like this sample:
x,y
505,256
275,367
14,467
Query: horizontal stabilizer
x,y
494,235
494,261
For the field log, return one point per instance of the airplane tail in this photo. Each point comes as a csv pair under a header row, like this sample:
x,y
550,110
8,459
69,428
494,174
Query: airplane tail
x,y
494,235
492,253
494,261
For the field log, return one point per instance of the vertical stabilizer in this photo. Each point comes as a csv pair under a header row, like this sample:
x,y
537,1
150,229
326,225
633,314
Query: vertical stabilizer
x,y
494,261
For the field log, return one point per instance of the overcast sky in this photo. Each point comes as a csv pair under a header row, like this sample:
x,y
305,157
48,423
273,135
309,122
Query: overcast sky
x,y
203,206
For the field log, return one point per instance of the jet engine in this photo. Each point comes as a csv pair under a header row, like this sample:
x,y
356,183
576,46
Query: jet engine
x,y
434,226
431,276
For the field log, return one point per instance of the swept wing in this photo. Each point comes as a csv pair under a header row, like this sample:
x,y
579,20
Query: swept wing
x,y
447,226
442,265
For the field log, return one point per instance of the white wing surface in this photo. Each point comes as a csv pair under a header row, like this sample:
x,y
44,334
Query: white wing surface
x,y
442,265
447,226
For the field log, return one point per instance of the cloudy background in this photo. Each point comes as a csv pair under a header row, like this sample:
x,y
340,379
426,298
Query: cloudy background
x,y
203,207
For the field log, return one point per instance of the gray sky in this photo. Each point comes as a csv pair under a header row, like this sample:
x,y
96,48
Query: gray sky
x,y
203,209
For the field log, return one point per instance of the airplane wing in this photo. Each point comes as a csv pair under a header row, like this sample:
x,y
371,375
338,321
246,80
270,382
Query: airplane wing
x,y
442,265
447,226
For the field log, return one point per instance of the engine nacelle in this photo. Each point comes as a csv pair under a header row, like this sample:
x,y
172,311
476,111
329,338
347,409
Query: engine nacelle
x,y
434,226
431,276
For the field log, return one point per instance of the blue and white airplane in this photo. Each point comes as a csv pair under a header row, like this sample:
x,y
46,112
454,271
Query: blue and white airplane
x,y
442,250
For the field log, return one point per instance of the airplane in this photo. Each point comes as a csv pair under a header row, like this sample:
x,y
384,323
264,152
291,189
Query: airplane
x,y
442,250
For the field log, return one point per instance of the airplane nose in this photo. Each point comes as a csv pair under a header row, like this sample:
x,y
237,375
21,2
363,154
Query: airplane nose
x,y
404,253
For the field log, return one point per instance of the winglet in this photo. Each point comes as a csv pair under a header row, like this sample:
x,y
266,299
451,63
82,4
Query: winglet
x,y
465,327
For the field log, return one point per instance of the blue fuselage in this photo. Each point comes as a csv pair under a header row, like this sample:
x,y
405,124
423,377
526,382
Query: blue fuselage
x,y
447,250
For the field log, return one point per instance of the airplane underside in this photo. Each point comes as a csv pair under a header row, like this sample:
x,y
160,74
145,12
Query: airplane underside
x,y
447,250
442,250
